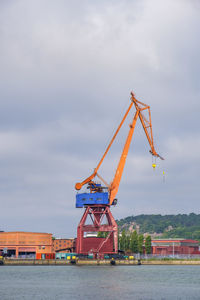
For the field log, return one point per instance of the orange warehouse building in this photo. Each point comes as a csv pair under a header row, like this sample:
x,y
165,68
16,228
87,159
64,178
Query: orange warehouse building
x,y
25,244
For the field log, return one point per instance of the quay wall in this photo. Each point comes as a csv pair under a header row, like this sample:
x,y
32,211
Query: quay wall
x,y
170,262
93,262
66,262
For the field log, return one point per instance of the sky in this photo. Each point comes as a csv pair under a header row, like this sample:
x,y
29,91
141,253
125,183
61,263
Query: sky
x,y
66,72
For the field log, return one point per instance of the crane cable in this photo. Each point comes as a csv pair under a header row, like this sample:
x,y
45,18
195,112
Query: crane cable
x,y
154,166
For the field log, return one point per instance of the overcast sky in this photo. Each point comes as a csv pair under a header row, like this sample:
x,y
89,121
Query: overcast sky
x,y
66,72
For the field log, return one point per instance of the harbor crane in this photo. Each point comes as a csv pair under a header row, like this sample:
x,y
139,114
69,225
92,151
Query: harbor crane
x,y
99,199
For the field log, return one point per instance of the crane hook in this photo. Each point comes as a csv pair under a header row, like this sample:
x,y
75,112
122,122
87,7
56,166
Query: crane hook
x,y
153,162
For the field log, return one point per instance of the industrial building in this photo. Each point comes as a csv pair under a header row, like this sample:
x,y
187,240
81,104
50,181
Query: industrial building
x,y
63,245
20,244
25,244
172,247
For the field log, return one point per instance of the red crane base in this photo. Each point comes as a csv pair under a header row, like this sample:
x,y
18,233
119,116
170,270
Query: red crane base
x,y
101,220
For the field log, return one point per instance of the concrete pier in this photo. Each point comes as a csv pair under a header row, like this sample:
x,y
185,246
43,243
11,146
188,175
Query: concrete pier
x,y
93,262
28,262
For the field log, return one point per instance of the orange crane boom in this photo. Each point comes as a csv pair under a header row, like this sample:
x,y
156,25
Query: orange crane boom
x,y
147,126
149,134
79,185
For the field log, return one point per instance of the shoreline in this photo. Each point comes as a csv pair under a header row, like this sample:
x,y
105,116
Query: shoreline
x,y
53,262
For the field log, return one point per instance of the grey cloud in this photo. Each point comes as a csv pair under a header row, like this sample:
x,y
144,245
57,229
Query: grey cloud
x,y
67,69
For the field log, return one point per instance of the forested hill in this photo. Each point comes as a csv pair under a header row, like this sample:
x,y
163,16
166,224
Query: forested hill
x,y
167,226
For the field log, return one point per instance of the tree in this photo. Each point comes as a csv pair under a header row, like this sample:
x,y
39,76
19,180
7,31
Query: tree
x,y
134,242
123,240
148,244
118,239
102,234
127,242
140,243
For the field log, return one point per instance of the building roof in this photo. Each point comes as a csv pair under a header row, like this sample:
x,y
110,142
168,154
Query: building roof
x,y
174,240
5,232
63,239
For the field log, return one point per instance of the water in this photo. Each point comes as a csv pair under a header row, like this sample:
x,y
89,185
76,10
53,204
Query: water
x,y
99,282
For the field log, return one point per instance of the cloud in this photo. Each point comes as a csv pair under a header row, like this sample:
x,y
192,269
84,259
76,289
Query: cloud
x,y
66,73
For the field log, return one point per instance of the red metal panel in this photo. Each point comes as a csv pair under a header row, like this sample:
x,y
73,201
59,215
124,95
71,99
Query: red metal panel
x,y
38,255
91,244
97,245
52,255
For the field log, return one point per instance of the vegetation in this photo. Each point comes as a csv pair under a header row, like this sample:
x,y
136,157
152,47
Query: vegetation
x,y
132,242
170,226
140,243
102,234
148,245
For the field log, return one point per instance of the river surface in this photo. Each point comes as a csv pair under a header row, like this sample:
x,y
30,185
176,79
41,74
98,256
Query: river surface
x,y
99,282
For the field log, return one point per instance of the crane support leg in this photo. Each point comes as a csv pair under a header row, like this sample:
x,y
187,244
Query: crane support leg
x,y
101,220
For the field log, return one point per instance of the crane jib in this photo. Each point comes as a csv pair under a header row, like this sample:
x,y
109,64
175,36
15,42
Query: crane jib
x,y
92,198
97,217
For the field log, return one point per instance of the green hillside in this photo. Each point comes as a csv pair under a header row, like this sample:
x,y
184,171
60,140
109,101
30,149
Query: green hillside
x,y
170,226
